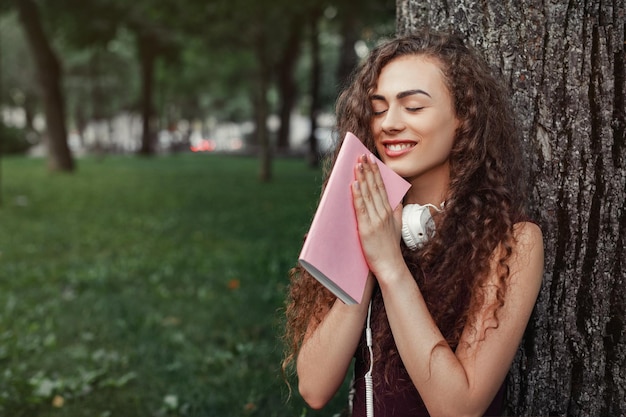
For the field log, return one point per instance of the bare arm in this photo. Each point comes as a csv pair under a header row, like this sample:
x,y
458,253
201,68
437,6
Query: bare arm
x,y
472,374
327,351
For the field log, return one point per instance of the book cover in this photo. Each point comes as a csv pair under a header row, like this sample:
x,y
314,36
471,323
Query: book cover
x,y
332,250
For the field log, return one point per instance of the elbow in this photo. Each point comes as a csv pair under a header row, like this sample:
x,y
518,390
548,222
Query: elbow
x,y
315,388
314,399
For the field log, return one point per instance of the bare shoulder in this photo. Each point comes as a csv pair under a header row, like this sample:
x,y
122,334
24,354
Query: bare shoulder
x,y
527,258
528,233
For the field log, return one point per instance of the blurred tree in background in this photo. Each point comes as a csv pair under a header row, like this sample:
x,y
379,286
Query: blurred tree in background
x,y
164,62
49,75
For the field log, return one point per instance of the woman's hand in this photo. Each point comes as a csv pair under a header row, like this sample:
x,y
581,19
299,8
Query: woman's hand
x,y
378,224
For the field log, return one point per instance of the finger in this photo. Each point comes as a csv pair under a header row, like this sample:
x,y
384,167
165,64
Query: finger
x,y
360,205
376,186
365,202
380,184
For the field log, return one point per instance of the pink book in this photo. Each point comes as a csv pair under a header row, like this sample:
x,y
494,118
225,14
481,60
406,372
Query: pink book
x,y
332,250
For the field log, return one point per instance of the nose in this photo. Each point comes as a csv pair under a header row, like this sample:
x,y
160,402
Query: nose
x,y
392,121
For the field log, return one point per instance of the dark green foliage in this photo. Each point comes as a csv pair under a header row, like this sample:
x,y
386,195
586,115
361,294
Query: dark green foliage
x,y
13,140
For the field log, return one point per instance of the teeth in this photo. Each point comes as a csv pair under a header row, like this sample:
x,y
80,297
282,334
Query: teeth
x,y
399,146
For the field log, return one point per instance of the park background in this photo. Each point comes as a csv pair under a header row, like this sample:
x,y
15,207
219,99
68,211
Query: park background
x,y
160,163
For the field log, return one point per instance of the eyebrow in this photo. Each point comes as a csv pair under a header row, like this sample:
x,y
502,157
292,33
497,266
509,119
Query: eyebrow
x,y
402,94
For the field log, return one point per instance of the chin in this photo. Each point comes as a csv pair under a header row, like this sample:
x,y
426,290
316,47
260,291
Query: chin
x,y
398,167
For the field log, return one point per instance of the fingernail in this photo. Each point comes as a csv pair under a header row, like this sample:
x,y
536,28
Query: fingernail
x,y
355,184
372,159
360,166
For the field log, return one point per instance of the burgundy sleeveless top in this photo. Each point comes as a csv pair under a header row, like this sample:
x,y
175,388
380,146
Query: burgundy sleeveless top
x,y
399,397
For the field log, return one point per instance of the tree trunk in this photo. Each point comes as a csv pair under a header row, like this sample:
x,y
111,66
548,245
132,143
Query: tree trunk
x,y
262,111
316,77
349,35
286,83
48,71
147,55
565,64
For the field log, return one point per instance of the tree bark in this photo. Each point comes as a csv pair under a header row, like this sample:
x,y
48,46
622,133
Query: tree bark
x,y
49,75
286,84
349,31
262,110
316,78
565,64
147,55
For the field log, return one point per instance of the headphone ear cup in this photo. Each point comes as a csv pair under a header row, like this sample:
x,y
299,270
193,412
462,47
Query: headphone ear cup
x,y
417,225
411,228
408,237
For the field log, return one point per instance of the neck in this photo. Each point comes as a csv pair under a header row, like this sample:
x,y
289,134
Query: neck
x,y
427,190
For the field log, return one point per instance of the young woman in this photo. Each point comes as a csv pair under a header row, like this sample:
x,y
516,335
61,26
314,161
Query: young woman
x,y
455,270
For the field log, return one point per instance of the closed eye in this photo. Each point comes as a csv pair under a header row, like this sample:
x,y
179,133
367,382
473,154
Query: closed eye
x,y
414,109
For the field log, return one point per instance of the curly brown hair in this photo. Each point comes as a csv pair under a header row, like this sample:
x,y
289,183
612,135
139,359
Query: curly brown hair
x,y
484,201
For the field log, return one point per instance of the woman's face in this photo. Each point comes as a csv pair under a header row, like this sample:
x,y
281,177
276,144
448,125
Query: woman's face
x,y
414,122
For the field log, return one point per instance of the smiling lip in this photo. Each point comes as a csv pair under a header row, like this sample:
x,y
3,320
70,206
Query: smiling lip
x,y
398,148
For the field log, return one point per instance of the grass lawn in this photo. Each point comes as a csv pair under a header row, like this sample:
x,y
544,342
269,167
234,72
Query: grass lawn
x,y
148,287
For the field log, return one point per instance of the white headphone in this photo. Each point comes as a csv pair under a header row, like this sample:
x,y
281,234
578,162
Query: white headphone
x,y
417,224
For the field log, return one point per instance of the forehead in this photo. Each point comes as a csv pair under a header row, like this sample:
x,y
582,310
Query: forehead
x,y
410,72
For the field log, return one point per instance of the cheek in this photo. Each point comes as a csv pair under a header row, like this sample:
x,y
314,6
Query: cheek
x,y
445,132
441,141
380,150
443,147
376,131
375,127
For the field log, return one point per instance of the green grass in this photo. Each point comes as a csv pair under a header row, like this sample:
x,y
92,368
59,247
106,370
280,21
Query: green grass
x,y
148,287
